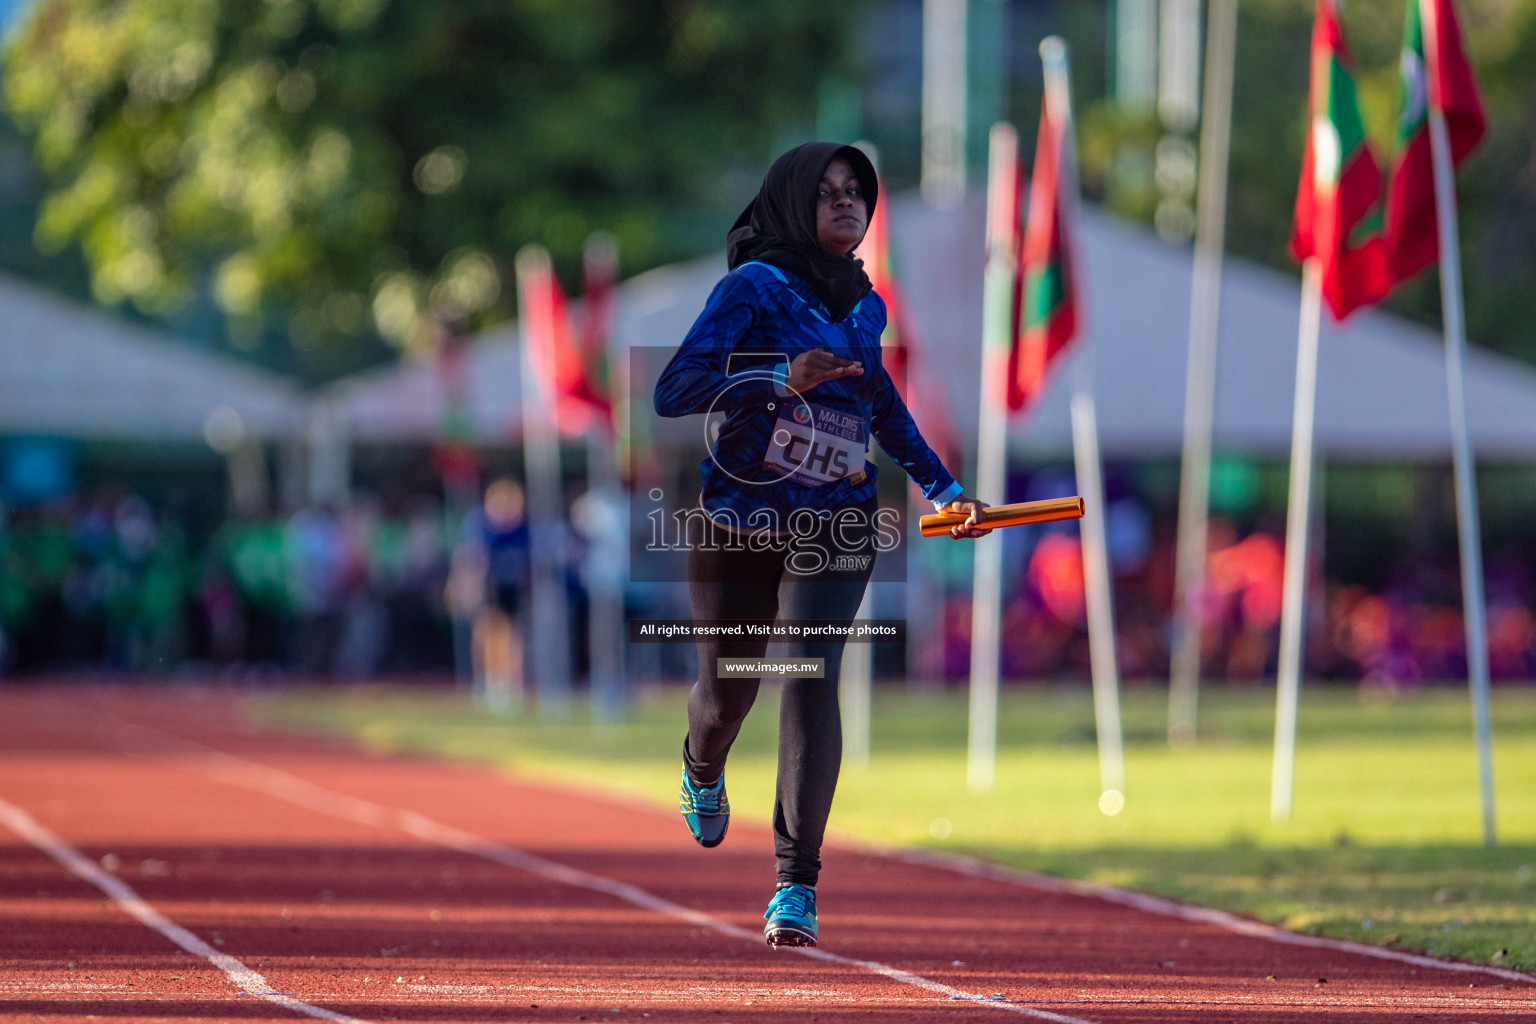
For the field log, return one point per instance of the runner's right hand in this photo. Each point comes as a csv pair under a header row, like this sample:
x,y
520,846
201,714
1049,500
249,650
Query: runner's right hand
x,y
818,365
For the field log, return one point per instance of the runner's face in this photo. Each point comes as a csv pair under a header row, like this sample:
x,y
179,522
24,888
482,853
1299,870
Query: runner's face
x,y
841,213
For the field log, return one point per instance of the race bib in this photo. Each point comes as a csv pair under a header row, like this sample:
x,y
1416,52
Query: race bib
x,y
814,446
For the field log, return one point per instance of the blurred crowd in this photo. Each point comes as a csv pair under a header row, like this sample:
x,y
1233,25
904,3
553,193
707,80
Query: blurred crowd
x,y
1408,632
103,583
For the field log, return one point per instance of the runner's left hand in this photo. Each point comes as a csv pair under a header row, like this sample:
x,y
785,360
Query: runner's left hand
x,y
967,528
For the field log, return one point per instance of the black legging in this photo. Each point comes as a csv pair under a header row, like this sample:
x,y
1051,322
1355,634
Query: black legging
x,y
753,585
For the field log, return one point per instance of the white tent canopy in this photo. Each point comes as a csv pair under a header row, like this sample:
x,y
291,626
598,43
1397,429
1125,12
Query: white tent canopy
x,y
1381,379
407,401
72,371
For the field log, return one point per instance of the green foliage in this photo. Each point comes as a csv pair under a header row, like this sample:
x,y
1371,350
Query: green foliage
x,y
1115,159
359,164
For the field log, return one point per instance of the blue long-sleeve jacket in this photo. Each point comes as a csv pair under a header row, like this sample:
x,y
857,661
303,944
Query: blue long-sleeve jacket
x,y
735,359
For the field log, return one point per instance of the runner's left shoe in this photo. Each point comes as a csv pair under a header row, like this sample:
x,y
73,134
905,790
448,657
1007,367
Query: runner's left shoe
x,y
791,917
705,809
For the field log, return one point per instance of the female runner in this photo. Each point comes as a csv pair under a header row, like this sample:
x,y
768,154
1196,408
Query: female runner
x,y
788,348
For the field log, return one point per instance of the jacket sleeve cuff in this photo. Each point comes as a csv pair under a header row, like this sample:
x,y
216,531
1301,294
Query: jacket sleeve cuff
x,y
948,495
781,380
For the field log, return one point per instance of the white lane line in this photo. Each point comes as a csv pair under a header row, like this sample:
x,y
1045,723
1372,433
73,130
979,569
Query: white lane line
x,y
247,981
237,771
976,868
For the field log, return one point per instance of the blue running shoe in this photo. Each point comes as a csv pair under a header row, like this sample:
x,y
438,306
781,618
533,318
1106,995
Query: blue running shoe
x,y
791,917
705,809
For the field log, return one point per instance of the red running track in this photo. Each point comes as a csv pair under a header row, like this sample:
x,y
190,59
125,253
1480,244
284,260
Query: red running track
x,y
162,860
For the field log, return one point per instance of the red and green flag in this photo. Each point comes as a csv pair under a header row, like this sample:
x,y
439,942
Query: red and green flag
x,y
1045,300
875,253
898,342
607,371
555,350
457,460
1446,82
599,281
1340,179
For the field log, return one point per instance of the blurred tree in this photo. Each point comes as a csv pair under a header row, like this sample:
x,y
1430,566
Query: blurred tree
x,y
21,191
335,167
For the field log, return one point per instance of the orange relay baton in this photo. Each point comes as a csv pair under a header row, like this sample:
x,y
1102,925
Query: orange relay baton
x,y
997,516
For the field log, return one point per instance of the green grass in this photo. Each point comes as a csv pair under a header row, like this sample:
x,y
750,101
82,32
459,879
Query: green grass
x,y
1385,845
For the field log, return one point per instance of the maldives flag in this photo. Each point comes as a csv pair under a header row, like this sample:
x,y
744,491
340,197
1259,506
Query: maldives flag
x,y
1413,239
454,454
599,277
898,342
1045,301
554,348
875,253
1340,179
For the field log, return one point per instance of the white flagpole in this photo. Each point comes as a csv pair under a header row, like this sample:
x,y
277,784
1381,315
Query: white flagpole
x,y
608,522
1090,479
991,454
1467,520
1297,519
853,695
944,102
1101,620
604,578
541,454
1200,380
855,681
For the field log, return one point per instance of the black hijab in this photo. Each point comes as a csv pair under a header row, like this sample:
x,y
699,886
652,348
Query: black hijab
x,y
779,226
